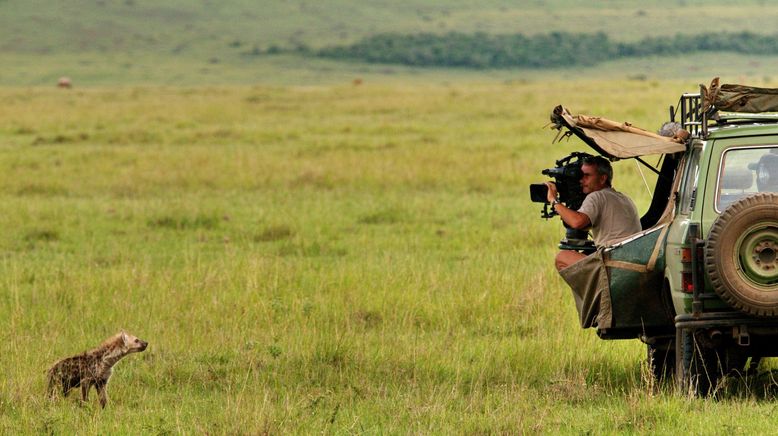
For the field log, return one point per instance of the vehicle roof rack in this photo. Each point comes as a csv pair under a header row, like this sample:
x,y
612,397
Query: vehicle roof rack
x,y
698,111
693,118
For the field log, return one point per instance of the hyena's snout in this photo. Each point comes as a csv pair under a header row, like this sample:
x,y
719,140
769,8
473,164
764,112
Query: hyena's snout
x,y
138,345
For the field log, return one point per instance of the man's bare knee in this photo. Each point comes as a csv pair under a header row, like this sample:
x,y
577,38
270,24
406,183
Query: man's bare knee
x,y
566,258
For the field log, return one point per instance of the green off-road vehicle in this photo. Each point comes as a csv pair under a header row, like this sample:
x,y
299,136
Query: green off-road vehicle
x,y
699,285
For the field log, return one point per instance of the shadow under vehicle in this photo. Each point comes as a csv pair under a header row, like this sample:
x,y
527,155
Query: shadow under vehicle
x,y
699,284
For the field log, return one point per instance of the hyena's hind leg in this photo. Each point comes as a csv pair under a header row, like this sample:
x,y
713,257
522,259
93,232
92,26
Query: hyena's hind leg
x,y
85,385
57,383
51,388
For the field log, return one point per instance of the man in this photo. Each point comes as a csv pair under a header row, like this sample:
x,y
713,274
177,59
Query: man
x,y
611,215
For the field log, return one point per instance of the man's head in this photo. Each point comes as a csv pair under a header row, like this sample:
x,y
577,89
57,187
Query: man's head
x,y
597,174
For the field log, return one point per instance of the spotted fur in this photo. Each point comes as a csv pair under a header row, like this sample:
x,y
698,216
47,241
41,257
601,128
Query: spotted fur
x,y
94,367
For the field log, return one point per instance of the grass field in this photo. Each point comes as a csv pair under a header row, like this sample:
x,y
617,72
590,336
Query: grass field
x,y
337,259
185,43
186,28
91,71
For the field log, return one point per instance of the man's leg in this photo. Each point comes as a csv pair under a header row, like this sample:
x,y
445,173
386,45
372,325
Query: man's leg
x,y
566,258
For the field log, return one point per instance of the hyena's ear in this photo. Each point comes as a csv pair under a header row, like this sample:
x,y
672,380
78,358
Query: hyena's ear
x,y
125,339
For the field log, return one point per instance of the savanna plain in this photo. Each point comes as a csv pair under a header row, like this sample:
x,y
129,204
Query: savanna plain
x,y
353,258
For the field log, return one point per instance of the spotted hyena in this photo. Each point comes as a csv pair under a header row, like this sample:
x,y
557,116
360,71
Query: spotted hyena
x,y
93,368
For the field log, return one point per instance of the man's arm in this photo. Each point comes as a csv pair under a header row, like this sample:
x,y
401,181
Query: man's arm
x,y
573,218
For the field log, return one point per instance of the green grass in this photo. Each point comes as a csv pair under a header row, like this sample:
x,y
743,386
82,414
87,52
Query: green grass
x,y
180,27
184,43
335,259
91,71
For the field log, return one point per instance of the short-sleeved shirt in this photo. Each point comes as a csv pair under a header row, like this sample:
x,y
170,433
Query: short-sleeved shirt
x,y
613,215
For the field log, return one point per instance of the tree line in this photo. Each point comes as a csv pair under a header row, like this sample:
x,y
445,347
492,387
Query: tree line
x,y
556,49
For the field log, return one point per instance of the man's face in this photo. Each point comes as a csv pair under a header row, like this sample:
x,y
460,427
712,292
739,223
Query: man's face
x,y
591,181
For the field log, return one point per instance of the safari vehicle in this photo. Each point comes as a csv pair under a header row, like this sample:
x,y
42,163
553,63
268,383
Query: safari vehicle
x,y
699,284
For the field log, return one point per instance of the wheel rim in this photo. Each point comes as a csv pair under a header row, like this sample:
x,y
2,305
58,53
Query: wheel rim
x,y
757,252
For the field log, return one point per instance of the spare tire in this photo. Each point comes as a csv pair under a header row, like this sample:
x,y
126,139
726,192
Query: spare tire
x,y
741,254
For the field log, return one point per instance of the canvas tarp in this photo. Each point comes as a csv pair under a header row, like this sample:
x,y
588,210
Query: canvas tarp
x,y
738,98
589,277
618,140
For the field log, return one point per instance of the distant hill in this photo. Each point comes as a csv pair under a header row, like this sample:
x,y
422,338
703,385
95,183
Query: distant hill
x,y
234,41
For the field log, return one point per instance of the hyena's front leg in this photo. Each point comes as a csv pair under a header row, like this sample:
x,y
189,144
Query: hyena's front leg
x,y
101,392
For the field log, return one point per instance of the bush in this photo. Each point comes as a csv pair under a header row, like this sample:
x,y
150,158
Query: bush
x,y
556,49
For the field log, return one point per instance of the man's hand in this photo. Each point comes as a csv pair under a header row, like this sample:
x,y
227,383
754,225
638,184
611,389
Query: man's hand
x,y
573,218
552,192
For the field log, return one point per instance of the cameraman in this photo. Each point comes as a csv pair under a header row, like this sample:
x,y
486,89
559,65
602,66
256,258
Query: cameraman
x,y
611,215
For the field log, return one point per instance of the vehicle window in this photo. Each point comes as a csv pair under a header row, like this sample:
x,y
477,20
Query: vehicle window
x,y
746,171
690,182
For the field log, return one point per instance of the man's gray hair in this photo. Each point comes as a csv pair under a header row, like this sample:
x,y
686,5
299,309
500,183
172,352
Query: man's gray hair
x,y
603,166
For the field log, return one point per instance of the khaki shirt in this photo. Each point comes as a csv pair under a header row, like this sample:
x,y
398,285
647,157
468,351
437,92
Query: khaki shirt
x,y
613,215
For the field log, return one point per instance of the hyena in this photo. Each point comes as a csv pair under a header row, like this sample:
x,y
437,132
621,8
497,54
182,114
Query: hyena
x,y
93,368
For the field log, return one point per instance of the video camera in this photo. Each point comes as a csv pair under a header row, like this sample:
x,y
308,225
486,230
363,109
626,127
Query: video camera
x,y
567,178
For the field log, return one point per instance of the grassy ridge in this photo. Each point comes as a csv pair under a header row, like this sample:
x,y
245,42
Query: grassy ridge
x,y
179,27
339,259
179,42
